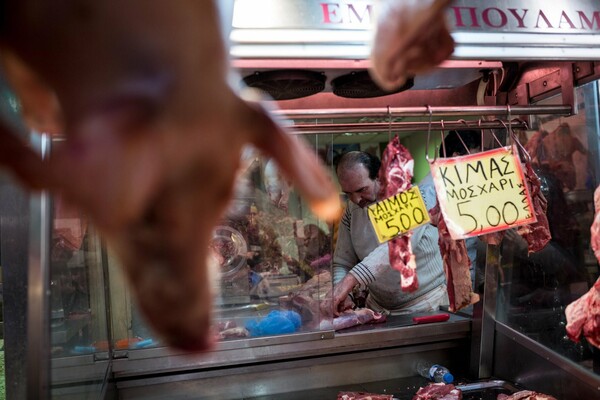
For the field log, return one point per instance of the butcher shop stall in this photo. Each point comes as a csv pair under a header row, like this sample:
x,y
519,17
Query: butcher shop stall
x,y
523,76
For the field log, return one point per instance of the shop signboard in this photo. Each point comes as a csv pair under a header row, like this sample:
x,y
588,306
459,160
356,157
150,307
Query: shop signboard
x,y
501,29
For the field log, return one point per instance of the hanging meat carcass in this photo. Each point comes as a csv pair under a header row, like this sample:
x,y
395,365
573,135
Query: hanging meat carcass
x,y
395,176
153,135
583,315
537,234
457,264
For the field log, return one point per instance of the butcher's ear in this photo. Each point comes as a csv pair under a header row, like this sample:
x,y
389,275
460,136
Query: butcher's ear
x,y
300,165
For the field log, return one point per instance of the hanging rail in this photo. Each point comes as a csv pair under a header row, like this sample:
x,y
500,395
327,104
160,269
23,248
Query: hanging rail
x,y
372,127
425,111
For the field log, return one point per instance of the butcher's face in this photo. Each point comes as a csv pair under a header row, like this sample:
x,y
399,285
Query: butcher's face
x,y
357,185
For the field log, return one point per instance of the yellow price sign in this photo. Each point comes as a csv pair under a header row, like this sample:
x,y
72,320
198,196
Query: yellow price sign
x,y
398,214
482,193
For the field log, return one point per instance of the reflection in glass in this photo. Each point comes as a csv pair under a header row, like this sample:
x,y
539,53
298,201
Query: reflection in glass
x,y
534,289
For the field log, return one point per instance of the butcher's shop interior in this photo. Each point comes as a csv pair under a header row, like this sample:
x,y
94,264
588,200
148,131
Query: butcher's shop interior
x,y
300,199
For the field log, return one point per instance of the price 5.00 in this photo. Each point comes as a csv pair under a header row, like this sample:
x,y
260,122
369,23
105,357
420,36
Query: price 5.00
x,y
507,214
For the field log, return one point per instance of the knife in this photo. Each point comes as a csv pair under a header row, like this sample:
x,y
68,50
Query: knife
x,y
427,319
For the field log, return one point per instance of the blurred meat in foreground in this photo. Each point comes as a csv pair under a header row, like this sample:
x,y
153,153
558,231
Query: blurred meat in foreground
x,y
411,37
153,138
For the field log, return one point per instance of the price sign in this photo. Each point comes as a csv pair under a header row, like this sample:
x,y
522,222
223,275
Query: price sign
x,y
398,214
482,193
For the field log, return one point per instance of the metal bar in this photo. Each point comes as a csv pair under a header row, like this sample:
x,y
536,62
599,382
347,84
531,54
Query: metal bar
x,y
403,126
564,109
38,328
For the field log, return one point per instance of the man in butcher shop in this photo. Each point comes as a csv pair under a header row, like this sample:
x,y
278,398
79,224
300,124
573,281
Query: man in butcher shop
x,y
359,258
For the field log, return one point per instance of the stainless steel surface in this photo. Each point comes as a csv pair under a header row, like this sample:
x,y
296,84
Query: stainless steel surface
x,y
522,360
38,298
398,331
485,362
281,379
425,111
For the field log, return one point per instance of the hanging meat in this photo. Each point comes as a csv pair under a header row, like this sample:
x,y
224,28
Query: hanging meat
x,y
537,234
457,264
583,315
395,176
411,37
153,137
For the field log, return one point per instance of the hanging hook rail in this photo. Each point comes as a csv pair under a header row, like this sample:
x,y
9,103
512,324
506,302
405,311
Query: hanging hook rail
x,y
425,111
384,127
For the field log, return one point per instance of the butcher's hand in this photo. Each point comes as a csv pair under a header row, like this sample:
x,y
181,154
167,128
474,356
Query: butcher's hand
x,y
340,300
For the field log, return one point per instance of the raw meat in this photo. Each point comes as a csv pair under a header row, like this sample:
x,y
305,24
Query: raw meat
x,y
363,396
525,395
595,229
457,264
350,318
154,135
411,37
536,234
438,391
583,315
395,176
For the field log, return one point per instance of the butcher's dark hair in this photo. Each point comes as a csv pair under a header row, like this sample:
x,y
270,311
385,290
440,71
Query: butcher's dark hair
x,y
351,158
471,138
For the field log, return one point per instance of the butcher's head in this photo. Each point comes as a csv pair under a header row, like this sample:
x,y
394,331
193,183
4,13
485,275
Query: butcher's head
x,y
357,173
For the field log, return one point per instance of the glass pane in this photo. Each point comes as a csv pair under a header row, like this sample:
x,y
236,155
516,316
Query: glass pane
x,y
78,322
535,288
274,260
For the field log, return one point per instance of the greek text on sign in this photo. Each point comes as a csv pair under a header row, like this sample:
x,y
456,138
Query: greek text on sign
x,y
482,193
398,214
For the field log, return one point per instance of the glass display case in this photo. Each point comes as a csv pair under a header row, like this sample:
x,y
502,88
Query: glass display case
x,y
534,289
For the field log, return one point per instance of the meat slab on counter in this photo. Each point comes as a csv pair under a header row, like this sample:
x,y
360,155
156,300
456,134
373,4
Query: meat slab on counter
x,y
153,138
457,264
363,396
583,315
350,318
438,391
525,395
395,176
411,37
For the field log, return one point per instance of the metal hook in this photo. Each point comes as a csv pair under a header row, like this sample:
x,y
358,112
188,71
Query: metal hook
x,y
460,138
524,153
389,124
494,135
481,130
443,142
428,133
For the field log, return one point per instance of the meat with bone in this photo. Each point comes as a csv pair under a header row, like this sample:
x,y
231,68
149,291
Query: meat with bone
x,y
438,391
457,264
525,395
536,234
395,176
363,396
411,37
583,315
153,136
